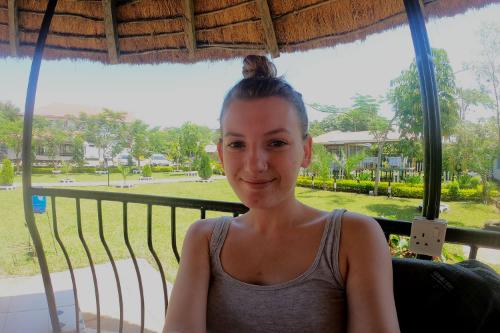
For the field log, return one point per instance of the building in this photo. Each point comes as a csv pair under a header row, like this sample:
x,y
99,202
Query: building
x,y
62,114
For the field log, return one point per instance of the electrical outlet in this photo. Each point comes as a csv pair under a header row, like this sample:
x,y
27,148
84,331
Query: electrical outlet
x,y
427,236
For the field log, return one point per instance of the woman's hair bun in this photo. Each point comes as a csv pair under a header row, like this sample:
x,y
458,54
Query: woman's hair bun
x,y
256,66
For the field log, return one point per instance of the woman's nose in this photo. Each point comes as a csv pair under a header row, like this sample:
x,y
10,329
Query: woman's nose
x,y
257,160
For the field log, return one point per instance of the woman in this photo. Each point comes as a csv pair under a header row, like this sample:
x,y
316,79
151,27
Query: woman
x,y
283,266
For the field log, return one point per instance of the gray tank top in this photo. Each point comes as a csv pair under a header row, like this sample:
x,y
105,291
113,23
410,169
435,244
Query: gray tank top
x,y
315,301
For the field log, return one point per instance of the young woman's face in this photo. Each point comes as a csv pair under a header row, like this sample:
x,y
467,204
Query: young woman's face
x,y
262,149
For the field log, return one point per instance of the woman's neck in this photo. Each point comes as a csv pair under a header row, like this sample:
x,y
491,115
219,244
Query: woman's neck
x,y
280,218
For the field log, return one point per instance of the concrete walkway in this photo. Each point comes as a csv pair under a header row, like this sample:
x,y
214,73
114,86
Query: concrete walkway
x,y
23,305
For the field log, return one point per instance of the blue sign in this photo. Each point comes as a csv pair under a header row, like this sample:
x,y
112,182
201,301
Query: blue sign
x,y
39,204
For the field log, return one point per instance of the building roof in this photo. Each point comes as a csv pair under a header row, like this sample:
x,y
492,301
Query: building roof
x,y
152,31
339,137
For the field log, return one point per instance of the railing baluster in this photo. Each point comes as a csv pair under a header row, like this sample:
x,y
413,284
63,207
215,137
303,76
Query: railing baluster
x,y
92,268
172,233
473,252
203,213
155,256
136,266
115,271
68,261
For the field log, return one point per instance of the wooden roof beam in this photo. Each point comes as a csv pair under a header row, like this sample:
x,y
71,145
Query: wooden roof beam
x,y
13,27
189,29
267,24
109,7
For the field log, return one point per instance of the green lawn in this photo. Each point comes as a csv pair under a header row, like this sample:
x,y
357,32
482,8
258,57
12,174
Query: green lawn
x,y
14,259
87,177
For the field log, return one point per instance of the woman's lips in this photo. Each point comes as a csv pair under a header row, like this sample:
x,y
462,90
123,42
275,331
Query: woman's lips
x,y
258,182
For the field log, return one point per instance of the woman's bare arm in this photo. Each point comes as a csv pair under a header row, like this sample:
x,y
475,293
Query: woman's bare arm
x,y
369,281
188,303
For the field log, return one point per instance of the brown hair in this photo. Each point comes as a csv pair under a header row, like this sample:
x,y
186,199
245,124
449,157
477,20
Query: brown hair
x,y
259,81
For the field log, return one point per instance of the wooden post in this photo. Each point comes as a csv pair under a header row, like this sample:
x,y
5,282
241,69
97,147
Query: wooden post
x,y
267,24
111,31
13,28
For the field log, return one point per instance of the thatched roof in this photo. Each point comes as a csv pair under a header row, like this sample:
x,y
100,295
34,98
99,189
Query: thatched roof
x,y
153,31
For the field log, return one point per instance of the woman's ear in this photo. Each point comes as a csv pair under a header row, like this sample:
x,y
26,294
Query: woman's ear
x,y
307,152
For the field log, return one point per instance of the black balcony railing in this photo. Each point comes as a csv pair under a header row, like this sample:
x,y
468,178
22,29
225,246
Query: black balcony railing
x,y
473,238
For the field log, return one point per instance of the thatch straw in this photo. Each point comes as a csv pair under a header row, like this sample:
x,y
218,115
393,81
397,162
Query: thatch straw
x,y
151,31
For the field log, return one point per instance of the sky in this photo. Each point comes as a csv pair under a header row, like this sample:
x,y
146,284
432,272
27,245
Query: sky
x,y
168,95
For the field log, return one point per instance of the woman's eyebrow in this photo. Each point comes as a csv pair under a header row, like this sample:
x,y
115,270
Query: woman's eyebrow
x,y
271,132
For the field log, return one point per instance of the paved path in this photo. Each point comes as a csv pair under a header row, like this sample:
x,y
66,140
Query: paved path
x,y
119,182
23,305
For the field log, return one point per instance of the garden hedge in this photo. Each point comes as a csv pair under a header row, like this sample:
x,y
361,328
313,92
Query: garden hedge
x,y
402,190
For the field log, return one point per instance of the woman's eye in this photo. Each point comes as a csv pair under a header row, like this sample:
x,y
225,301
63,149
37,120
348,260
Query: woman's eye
x,y
236,144
277,143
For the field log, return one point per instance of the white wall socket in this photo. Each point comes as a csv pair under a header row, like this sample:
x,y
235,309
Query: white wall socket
x,y
427,236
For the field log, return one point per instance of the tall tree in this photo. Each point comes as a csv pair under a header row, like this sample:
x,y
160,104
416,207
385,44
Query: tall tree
x,y
11,128
472,97
193,139
138,140
354,119
78,150
380,127
406,101
479,148
487,67
321,163
104,130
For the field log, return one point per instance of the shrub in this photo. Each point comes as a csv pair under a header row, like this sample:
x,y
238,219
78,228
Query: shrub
x,y
162,168
42,170
7,173
365,175
146,171
453,189
84,169
413,180
464,181
475,181
204,169
402,190
217,168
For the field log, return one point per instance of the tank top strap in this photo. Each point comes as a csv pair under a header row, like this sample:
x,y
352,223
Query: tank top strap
x,y
218,234
332,246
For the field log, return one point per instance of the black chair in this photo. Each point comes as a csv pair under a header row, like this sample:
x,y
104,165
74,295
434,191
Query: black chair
x,y
439,297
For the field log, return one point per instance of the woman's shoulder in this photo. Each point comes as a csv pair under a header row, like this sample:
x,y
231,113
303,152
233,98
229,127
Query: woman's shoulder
x,y
354,224
201,230
362,240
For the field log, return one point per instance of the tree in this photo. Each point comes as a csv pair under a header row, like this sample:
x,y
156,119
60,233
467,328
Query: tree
x,y
138,140
193,139
7,173
353,119
487,68
480,149
158,141
321,162
407,103
379,128
11,129
470,97
204,170
78,150
104,130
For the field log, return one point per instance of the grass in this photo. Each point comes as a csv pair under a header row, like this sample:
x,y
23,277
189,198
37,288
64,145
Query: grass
x,y
88,177
16,260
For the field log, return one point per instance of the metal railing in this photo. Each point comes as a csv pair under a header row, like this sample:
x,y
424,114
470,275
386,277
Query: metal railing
x,y
473,238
